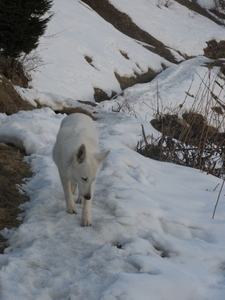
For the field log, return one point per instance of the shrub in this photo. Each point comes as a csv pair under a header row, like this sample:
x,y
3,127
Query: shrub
x,y
193,138
215,50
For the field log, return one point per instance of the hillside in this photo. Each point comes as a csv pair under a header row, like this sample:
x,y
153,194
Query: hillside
x,y
127,50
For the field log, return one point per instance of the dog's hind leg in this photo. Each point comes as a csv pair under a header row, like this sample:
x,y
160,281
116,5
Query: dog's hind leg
x,y
70,205
73,187
80,199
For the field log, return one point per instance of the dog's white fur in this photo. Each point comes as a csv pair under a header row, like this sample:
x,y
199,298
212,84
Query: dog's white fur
x,y
76,154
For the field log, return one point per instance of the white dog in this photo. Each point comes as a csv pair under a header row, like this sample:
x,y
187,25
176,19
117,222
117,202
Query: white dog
x,y
76,154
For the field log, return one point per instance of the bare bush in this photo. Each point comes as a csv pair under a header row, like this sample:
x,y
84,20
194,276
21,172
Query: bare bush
x,y
196,137
126,108
31,62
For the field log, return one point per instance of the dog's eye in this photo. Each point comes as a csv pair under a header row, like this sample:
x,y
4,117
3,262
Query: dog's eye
x,y
84,178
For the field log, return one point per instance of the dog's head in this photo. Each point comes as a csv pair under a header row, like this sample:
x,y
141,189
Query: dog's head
x,y
87,167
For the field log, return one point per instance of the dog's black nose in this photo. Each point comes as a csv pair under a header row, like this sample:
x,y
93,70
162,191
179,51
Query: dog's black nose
x,y
87,196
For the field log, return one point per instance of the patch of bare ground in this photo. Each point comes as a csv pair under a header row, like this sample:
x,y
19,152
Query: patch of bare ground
x,y
125,82
100,95
13,170
219,14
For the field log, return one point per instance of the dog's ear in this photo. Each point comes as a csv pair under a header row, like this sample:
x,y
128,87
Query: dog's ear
x,y
102,156
81,153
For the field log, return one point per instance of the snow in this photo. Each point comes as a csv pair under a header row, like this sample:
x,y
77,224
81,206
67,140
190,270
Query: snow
x,y
182,84
173,24
152,236
139,207
77,38
208,4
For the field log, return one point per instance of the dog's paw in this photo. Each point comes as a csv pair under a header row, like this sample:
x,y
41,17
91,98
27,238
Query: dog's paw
x,y
85,222
72,210
80,200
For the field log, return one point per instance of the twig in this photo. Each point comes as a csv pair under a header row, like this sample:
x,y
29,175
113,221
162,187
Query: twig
x,y
218,199
144,136
216,187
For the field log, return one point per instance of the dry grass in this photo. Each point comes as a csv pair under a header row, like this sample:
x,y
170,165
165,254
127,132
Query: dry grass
x,y
13,170
13,70
10,101
194,138
215,49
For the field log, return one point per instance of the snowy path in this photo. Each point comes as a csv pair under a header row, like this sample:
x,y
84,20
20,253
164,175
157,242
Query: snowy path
x,y
151,224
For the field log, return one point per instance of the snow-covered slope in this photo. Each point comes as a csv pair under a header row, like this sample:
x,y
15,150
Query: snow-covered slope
x,y
77,31
173,24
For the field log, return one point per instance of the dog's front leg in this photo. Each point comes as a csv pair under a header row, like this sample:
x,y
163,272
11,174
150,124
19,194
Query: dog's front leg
x,y
70,205
86,213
